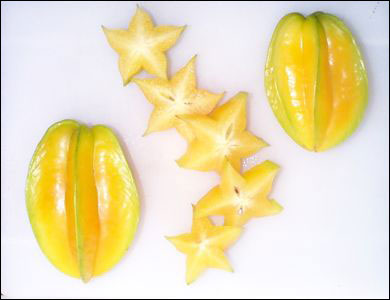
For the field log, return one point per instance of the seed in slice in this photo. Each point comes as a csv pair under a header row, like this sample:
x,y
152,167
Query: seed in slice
x,y
142,46
176,97
241,197
205,246
219,137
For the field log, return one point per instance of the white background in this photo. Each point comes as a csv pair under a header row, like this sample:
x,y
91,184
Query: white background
x,y
330,241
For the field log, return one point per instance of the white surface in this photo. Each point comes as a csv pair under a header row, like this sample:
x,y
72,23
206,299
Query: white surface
x,y
330,241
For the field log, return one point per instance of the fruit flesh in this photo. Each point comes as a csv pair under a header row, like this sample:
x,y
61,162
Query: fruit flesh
x,y
219,137
142,46
241,197
205,247
81,199
315,79
174,97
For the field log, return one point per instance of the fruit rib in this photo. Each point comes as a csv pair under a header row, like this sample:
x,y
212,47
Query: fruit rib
x,y
274,95
348,81
86,208
70,193
295,56
117,199
45,196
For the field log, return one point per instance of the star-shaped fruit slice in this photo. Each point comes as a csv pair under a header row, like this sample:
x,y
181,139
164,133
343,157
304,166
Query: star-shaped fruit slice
x,y
142,46
241,197
205,246
176,97
219,137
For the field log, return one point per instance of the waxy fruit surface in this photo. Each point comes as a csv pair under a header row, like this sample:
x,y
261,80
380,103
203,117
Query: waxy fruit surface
x,y
81,199
315,79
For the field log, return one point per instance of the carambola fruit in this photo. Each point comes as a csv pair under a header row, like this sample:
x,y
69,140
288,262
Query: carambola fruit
x,y
205,246
174,97
241,197
81,199
315,79
219,137
142,46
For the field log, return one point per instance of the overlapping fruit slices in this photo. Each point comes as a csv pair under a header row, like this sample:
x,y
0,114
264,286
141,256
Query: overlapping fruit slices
x,y
217,141
205,246
175,97
220,136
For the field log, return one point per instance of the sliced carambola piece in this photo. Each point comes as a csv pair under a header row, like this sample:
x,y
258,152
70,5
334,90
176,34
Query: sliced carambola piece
x,y
315,79
81,199
176,97
205,247
142,46
221,135
241,197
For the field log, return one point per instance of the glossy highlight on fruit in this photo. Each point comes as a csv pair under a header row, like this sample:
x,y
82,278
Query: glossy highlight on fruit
x,y
205,246
142,46
81,199
316,80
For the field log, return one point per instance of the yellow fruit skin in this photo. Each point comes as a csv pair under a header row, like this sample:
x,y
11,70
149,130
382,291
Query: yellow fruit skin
x,y
86,203
117,199
315,79
81,199
45,196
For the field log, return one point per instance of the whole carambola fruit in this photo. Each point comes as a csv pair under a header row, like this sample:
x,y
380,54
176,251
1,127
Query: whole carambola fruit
x,y
315,79
81,199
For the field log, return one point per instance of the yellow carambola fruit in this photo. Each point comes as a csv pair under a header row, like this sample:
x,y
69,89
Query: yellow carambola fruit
x,y
81,199
315,79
